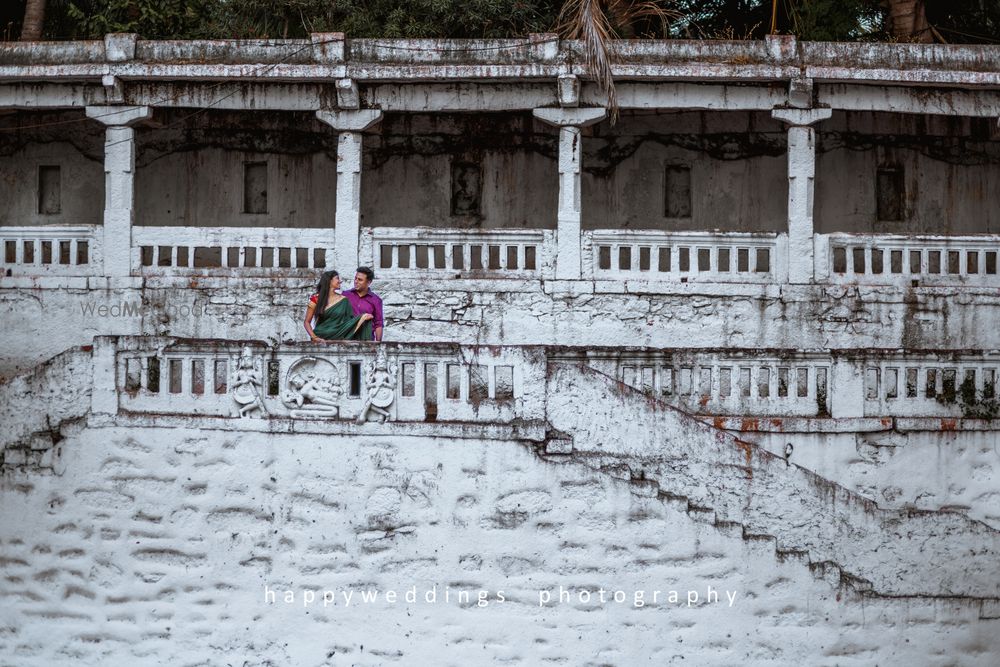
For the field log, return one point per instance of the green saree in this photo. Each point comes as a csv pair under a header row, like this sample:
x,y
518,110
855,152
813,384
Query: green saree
x,y
338,321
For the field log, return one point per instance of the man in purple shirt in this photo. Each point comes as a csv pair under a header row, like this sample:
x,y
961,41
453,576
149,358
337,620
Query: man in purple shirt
x,y
365,301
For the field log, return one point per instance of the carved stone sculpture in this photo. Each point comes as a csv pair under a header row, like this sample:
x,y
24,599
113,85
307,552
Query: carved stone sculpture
x,y
312,389
248,382
381,383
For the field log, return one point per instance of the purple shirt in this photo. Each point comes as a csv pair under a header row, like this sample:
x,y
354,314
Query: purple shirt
x,y
370,303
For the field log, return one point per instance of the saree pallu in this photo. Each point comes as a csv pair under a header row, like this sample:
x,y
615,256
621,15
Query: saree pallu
x,y
338,321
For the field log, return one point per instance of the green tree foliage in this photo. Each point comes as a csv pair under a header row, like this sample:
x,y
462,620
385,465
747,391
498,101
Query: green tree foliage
x,y
816,20
441,18
276,19
966,21
954,21
151,19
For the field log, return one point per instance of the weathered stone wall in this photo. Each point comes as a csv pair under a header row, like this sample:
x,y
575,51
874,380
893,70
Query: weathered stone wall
x,y
621,431
516,312
204,188
81,186
950,170
510,177
39,408
925,470
160,542
190,171
738,173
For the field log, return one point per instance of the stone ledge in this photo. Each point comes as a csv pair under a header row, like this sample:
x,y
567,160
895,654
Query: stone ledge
x,y
796,425
559,288
546,54
533,431
75,282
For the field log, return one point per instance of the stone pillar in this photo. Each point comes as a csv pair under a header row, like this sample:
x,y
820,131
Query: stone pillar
x,y
801,172
119,184
569,121
350,124
104,391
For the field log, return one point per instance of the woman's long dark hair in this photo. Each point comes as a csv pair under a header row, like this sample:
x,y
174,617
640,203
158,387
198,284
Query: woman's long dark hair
x,y
323,289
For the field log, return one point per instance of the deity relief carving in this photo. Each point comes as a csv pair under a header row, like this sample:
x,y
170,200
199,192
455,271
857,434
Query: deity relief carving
x,y
248,383
381,387
312,389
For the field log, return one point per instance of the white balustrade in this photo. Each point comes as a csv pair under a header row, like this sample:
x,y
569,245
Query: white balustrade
x,y
432,382
742,385
501,384
246,250
686,256
881,259
495,253
51,250
931,386
810,384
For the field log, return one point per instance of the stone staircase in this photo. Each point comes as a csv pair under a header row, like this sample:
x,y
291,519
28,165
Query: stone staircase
x,y
747,492
40,406
737,487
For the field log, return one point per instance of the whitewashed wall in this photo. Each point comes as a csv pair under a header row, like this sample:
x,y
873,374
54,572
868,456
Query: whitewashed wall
x,y
517,312
925,470
158,543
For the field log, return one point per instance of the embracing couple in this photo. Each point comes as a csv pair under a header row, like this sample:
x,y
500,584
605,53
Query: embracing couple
x,y
354,315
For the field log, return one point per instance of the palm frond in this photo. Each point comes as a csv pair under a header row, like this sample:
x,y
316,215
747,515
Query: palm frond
x,y
587,21
594,23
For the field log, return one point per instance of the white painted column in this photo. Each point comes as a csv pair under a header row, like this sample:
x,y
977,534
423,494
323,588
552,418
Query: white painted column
x,y
569,121
119,184
801,174
350,123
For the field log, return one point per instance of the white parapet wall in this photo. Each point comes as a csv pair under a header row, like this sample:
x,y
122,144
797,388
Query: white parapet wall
x,y
242,251
52,250
401,252
746,257
427,382
893,259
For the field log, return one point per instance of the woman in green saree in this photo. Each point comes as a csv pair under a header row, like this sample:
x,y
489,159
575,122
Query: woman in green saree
x,y
334,317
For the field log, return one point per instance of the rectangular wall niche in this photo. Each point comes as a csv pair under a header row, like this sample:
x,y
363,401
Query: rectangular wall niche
x,y
49,190
466,188
890,193
677,191
255,187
